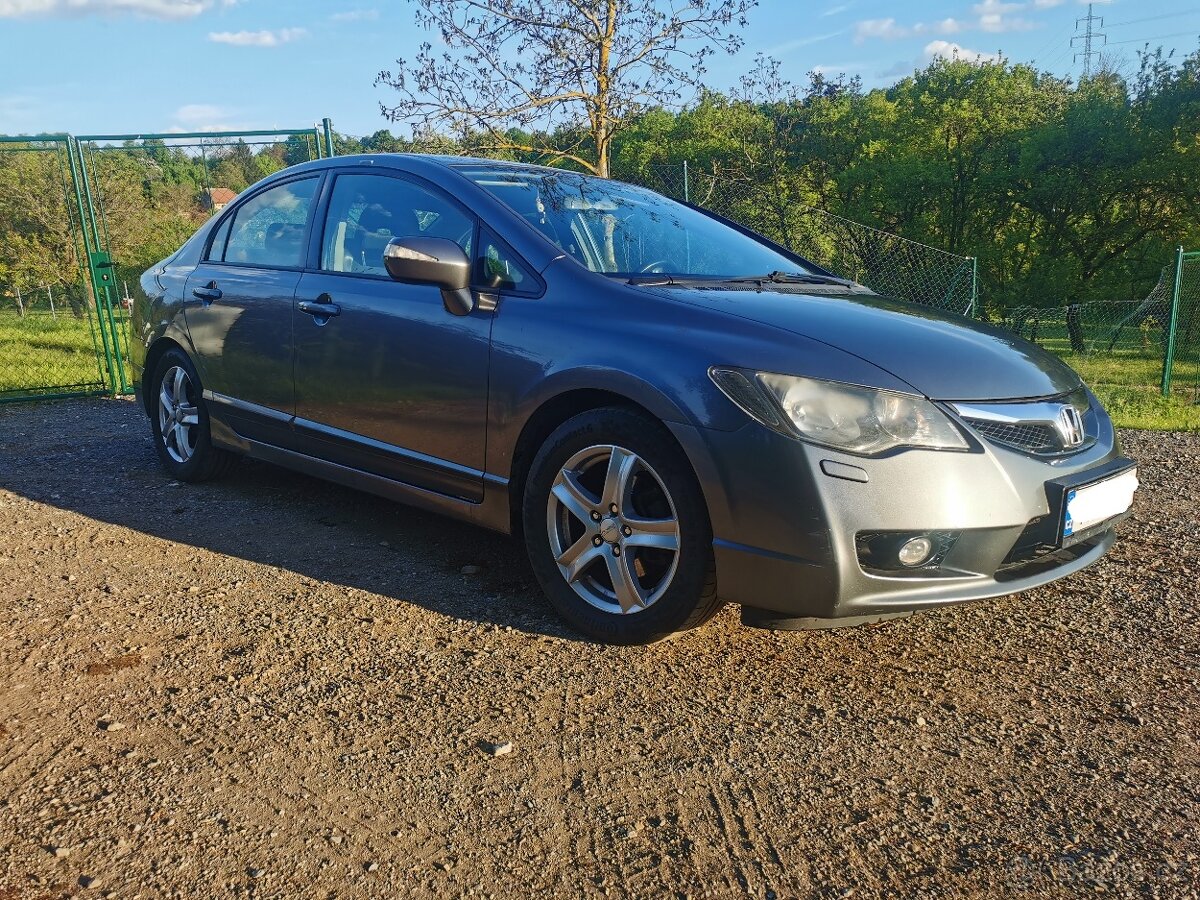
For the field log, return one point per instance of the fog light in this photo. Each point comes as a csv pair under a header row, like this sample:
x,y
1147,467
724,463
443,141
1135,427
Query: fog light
x,y
915,551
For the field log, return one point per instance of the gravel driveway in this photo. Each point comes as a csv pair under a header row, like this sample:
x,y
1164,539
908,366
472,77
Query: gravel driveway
x,y
272,686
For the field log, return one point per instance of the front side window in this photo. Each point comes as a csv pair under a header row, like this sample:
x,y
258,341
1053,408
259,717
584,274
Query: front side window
x,y
498,268
268,229
367,211
622,230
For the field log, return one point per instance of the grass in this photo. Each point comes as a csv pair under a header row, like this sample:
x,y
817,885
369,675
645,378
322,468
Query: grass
x,y
42,355
1128,386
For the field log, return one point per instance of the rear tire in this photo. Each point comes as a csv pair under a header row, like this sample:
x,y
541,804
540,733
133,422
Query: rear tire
x,y
179,422
617,530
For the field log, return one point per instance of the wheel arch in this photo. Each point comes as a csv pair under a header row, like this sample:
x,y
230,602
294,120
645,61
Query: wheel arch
x,y
156,352
552,413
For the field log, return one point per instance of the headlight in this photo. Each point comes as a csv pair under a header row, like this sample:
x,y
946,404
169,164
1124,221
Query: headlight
x,y
844,416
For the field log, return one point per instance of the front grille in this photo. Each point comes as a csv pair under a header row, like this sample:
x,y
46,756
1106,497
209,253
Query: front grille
x,y
1031,438
1055,426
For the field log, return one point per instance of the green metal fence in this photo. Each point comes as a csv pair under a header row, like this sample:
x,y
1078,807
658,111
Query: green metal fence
x,y
81,217
1145,345
1181,358
51,339
74,239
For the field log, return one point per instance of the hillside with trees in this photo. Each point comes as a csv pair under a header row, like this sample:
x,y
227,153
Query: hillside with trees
x,y
1065,192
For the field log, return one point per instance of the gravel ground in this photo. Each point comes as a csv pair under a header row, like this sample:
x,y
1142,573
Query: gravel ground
x,y
272,686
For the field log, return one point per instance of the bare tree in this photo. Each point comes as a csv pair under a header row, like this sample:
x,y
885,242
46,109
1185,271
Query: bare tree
x,y
558,79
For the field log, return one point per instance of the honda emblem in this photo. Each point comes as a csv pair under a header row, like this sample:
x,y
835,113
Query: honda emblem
x,y
1069,425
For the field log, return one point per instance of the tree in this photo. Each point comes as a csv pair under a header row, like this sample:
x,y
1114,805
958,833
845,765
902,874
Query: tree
x,y
571,75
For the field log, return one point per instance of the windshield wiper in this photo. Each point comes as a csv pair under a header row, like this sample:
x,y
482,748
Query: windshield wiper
x,y
792,278
657,279
660,280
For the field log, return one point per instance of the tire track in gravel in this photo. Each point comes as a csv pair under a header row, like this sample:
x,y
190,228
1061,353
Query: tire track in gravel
x,y
1059,757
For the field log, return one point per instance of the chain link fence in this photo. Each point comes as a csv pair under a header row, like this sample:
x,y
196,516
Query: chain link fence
x,y
1181,370
147,194
81,218
887,263
1120,347
80,221
48,330
1127,347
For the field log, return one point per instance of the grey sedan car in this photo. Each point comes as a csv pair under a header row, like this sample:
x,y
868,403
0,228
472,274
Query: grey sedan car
x,y
672,411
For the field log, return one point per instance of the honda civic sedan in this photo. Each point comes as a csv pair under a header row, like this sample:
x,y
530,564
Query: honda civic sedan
x,y
671,411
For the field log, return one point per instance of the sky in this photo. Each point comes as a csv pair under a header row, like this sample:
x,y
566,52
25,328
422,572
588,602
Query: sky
x,y
129,66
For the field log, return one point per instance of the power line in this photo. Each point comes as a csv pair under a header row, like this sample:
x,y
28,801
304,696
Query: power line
x,y
1089,36
1156,37
1048,46
1174,15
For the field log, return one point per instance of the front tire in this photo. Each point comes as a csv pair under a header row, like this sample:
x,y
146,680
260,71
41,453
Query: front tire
x,y
179,422
617,531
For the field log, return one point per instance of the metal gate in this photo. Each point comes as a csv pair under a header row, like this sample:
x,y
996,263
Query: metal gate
x,y
51,343
73,241
1181,362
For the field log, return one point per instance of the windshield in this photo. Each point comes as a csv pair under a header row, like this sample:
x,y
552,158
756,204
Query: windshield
x,y
618,229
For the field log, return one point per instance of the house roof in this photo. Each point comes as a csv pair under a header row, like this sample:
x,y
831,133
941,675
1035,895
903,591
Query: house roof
x,y
221,195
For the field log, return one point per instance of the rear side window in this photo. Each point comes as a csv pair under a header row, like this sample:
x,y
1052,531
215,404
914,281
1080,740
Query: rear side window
x,y
268,229
367,211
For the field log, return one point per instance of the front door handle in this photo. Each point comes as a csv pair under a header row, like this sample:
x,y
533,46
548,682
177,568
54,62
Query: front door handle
x,y
322,308
208,293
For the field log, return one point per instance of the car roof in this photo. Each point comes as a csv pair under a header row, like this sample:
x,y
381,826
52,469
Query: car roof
x,y
405,160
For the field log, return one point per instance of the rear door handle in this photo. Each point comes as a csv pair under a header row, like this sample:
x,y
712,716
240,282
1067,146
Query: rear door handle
x,y
322,308
208,293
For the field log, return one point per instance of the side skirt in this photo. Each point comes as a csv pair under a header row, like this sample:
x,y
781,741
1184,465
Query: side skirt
x,y
492,512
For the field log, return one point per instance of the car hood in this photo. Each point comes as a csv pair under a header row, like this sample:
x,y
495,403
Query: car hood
x,y
943,356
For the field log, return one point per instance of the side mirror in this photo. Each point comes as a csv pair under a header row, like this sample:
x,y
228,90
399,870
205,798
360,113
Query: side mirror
x,y
436,261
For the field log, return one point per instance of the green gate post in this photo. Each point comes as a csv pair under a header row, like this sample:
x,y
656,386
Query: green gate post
x,y
1169,356
91,240
100,268
327,124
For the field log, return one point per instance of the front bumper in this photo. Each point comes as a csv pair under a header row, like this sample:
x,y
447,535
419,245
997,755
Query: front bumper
x,y
784,531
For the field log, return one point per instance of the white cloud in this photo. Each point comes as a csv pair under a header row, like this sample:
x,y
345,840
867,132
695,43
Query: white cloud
x,y
991,16
192,113
355,15
157,9
996,23
994,16
834,10
257,38
879,28
945,26
951,50
890,30
207,117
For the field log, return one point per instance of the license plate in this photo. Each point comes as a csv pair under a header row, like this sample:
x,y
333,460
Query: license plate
x,y
1087,507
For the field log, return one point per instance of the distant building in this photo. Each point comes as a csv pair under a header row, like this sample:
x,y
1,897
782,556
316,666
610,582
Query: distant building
x,y
215,199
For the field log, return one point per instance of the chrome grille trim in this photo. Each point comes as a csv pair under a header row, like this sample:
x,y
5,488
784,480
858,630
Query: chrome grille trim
x,y
1037,427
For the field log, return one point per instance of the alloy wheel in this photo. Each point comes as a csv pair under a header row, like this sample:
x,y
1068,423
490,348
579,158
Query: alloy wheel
x,y
613,529
178,418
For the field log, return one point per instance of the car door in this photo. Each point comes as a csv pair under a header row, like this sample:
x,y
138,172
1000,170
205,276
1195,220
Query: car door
x,y
239,309
392,384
